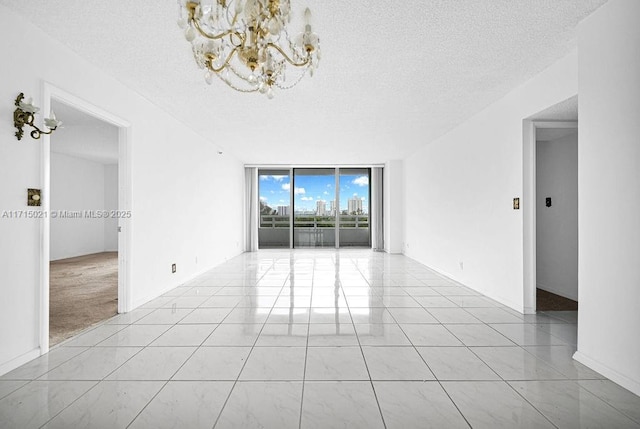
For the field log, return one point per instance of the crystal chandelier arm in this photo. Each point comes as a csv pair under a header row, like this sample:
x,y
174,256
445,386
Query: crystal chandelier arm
x,y
286,57
225,64
192,8
204,34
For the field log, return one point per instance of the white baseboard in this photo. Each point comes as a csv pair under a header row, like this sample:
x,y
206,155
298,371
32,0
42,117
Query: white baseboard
x,y
141,301
19,361
611,374
517,307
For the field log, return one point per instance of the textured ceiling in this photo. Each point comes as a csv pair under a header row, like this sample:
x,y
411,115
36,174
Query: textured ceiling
x,y
394,75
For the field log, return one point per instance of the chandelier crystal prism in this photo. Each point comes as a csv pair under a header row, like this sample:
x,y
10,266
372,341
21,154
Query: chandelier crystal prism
x,y
246,44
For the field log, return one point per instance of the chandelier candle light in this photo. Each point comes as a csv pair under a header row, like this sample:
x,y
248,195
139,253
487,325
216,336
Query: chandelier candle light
x,y
245,43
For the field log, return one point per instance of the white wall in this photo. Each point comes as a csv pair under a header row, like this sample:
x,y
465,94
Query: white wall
x,y
557,226
609,192
111,203
79,185
186,199
76,185
458,213
393,206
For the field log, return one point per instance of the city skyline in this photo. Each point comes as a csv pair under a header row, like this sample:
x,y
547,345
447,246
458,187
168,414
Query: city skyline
x,y
274,191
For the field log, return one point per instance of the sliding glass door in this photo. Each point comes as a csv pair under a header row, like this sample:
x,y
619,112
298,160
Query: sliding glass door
x,y
354,207
314,222
275,209
314,208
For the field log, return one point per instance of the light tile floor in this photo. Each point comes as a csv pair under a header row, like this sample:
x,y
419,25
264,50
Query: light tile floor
x,y
318,339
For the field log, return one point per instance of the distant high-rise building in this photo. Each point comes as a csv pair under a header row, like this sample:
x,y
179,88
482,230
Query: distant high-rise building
x,y
321,208
332,208
355,205
283,211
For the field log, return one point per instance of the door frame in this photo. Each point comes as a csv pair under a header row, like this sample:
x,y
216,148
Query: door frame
x,y
529,206
51,92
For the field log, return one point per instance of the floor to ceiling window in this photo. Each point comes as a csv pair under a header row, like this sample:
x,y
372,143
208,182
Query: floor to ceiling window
x,y
354,207
274,209
314,224
330,207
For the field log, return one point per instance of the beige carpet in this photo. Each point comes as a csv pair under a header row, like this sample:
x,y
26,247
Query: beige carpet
x,y
547,301
82,292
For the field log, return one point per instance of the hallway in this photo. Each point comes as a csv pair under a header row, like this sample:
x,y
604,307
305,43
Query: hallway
x,y
318,339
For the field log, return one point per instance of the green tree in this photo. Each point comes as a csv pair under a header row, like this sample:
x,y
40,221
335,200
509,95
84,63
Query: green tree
x,y
265,209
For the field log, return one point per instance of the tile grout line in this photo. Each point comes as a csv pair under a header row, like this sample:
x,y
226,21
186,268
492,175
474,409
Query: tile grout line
x,y
175,372
503,380
415,348
95,346
306,349
248,356
375,394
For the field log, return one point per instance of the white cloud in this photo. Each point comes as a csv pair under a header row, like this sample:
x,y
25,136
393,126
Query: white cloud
x,y
326,193
296,191
263,198
355,195
307,198
361,181
275,178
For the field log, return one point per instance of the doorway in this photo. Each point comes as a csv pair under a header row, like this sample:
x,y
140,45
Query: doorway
x,y
54,97
84,212
556,122
556,219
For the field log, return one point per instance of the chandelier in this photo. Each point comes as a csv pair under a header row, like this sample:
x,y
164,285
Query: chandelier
x,y
246,44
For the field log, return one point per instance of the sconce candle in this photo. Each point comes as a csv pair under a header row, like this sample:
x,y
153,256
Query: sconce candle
x,y
25,115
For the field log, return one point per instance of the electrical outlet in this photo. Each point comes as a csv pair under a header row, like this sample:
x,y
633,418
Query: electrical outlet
x,y
516,203
173,268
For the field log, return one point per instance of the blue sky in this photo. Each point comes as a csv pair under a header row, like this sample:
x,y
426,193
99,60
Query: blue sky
x,y
274,190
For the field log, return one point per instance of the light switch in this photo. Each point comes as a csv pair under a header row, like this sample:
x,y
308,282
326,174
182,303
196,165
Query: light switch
x,y
548,202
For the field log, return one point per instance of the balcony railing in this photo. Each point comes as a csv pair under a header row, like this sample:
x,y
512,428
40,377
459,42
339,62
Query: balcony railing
x,y
313,231
311,221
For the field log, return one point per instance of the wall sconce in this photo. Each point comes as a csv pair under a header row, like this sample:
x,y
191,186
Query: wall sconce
x,y
25,114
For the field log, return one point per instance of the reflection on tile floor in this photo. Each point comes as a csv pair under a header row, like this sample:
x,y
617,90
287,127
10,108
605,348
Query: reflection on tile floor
x,y
318,339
